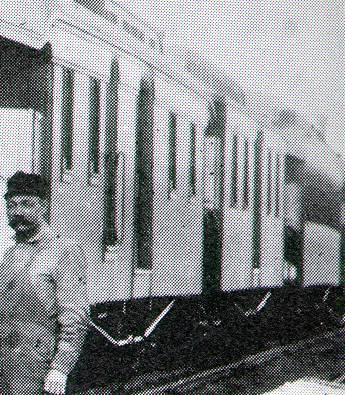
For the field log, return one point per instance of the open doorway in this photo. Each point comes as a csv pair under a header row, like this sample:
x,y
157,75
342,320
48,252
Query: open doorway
x,y
213,198
25,116
293,218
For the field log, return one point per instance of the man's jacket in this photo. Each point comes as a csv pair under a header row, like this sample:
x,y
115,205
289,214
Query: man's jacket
x,y
43,302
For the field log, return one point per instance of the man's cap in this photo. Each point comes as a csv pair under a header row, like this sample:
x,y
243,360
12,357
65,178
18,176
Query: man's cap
x,y
26,184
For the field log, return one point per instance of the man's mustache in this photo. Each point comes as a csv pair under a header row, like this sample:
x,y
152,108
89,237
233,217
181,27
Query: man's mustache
x,y
19,220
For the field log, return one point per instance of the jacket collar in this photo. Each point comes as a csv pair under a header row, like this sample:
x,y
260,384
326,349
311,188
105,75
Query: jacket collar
x,y
46,233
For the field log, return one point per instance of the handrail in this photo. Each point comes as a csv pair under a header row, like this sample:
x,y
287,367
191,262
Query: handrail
x,y
133,339
259,307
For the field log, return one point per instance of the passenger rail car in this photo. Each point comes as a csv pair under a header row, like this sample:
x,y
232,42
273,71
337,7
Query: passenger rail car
x,y
197,219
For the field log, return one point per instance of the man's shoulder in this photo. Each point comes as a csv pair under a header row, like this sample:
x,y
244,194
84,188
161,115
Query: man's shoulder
x,y
69,245
66,241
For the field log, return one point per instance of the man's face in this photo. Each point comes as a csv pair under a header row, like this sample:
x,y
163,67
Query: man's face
x,y
26,214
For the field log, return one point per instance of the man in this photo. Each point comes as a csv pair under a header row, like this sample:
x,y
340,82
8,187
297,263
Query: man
x,y
43,303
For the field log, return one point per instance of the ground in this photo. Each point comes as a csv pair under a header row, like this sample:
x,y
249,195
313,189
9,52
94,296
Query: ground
x,y
322,358
325,359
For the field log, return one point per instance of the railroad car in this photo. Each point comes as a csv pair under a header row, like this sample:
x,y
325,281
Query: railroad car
x,y
202,221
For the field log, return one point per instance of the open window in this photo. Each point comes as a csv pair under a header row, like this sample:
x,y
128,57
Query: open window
x,y
192,164
234,172
67,124
246,175
269,184
144,176
115,199
119,209
278,186
172,159
94,159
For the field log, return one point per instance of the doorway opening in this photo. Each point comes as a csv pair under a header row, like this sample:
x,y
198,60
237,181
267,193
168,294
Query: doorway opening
x,y
213,199
25,108
293,217
25,116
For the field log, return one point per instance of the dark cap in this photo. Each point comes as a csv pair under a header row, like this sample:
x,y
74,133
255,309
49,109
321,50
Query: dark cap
x,y
26,184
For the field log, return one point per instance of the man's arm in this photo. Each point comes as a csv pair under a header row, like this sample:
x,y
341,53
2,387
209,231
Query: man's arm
x,y
73,308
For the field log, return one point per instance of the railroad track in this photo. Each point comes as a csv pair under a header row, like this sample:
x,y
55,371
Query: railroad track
x,y
315,345
150,383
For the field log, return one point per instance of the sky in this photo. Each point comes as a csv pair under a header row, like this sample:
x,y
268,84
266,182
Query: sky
x,y
285,51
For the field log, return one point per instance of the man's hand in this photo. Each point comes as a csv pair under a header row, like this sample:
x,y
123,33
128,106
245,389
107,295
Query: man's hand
x,y
55,383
